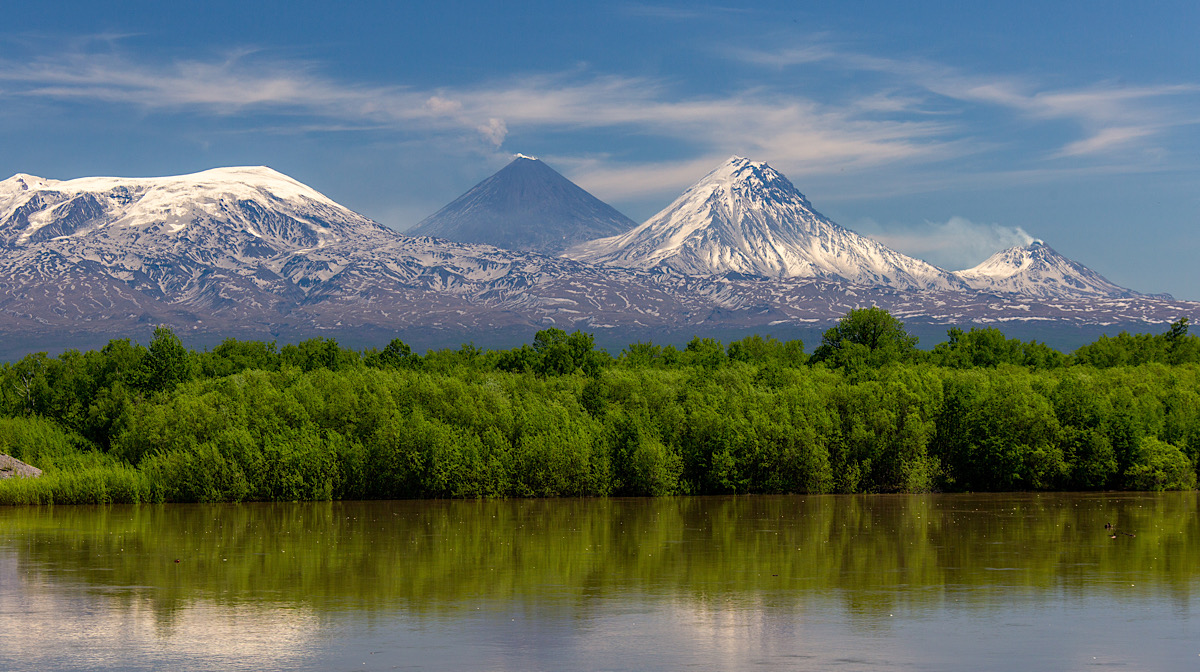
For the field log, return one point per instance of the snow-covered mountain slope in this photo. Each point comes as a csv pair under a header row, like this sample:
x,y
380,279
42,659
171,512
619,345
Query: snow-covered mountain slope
x,y
527,205
252,253
1037,270
243,213
745,217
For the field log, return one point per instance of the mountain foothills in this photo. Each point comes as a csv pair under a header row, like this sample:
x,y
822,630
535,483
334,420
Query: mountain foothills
x,y
249,252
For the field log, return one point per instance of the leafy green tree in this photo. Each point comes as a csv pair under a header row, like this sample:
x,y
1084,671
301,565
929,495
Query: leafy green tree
x,y
317,353
168,362
559,354
555,356
704,352
990,348
397,354
1174,347
234,356
1182,347
641,355
997,431
866,337
517,360
1082,408
123,361
754,349
1159,465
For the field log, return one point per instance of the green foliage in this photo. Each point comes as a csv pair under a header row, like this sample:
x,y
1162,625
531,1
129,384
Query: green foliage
x,y
1174,347
397,354
247,421
167,361
234,356
705,352
555,353
1160,466
94,484
999,433
41,442
866,338
758,350
317,353
989,348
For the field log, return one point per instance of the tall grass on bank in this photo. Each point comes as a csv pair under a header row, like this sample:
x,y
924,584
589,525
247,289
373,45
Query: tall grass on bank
x,y
73,471
107,484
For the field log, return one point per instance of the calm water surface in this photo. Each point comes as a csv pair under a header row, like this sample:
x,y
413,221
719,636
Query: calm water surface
x,y
936,582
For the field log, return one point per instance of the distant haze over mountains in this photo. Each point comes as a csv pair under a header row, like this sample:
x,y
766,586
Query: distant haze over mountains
x,y
250,252
528,206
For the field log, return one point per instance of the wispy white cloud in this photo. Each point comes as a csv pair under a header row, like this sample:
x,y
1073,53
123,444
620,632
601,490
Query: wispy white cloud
x,y
787,57
609,180
915,116
1104,140
1110,117
793,130
956,244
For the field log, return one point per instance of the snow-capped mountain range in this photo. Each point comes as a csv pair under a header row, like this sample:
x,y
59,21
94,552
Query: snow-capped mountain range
x,y
253,253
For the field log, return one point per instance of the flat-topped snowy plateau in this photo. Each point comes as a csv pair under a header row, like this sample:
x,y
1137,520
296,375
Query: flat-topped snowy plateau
x,y
246,212
250,252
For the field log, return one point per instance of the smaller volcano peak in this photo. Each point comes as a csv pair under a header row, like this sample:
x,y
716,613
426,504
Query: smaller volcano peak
x,y
1036,269
526,205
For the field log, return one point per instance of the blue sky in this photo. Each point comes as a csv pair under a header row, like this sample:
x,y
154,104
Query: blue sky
x,y
945,130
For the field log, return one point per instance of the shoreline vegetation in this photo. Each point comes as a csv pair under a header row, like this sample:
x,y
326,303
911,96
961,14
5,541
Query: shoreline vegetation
x,y
866,412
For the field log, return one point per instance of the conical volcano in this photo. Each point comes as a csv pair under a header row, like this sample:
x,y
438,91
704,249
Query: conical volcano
x,y
527,205
745,217
1037,270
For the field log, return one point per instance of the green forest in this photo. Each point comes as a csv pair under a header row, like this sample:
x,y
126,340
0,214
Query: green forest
x,y
866,411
